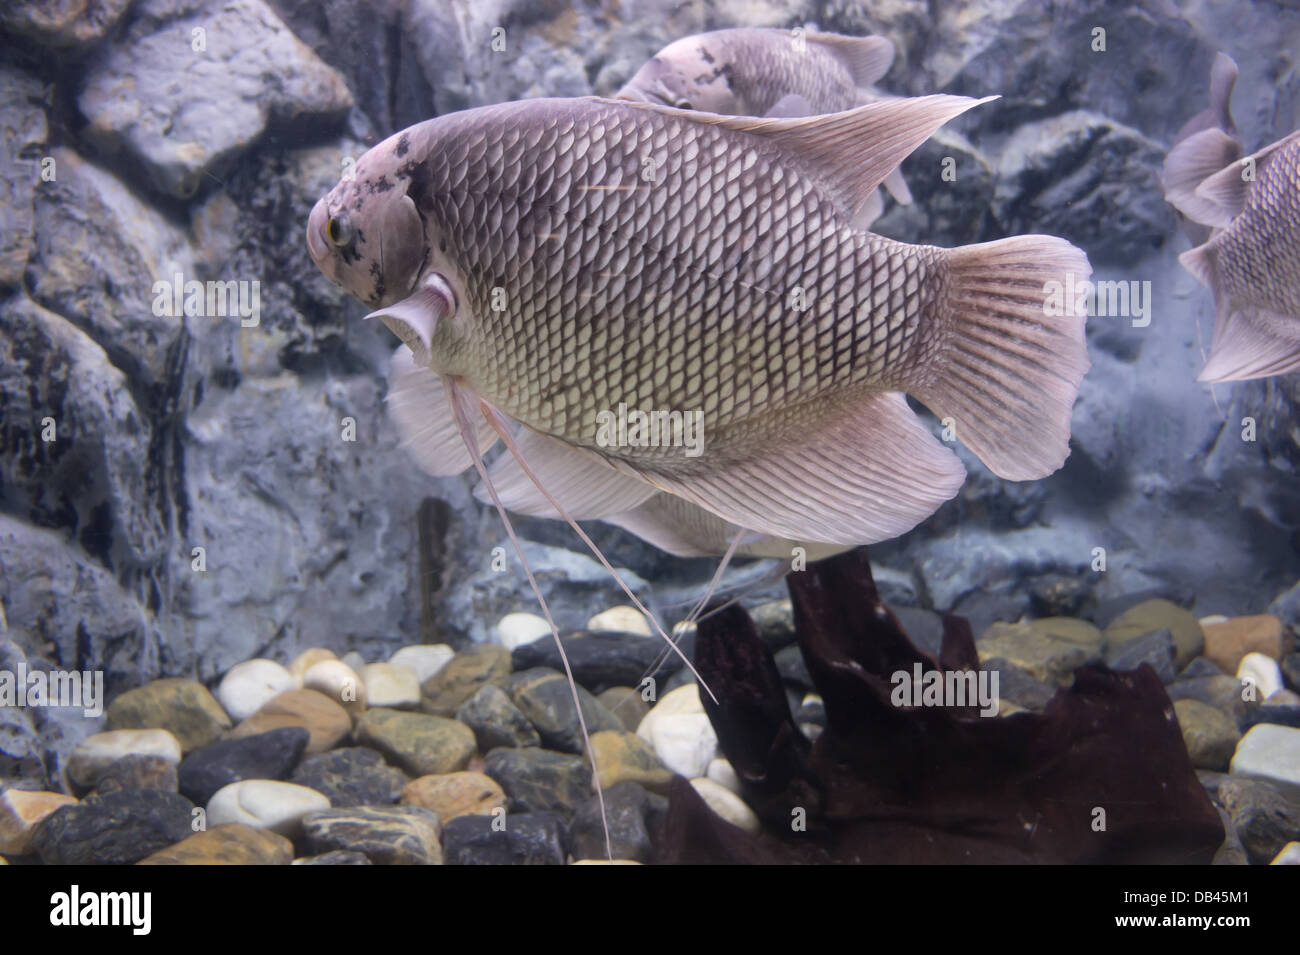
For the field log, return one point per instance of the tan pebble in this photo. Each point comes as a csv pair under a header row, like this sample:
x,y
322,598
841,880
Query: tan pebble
x,y
1226,643
455,794
340,683
327,721
308,659
21,810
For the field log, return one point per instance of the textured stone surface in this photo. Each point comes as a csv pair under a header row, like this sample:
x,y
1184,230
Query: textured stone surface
x,y
183,707
354,776
1050,650
393,835
270,804
463,675
530,838
139,772
120,828
455,794
496,721
421,744
546,699
326,721
629,811
62,25
624,757
538,780
601,659
230,844
21,811
1211,734
95,754
271,755
1264,817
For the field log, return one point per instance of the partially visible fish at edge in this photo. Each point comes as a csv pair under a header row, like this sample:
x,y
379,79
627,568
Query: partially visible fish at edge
x,y
1248,212
765,71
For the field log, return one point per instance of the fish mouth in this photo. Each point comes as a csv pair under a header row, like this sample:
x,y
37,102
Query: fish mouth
x,y
316,244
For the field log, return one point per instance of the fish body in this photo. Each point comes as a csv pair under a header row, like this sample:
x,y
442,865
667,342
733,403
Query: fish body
x,y
578,256
1248,212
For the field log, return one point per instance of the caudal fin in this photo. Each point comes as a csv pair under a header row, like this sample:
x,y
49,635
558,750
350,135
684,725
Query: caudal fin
x,y
1012,352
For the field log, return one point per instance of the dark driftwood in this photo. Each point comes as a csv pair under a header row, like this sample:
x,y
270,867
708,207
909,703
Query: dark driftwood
x,y
931,784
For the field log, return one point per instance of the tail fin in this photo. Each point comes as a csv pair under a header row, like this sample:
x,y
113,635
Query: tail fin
x,y
1012,353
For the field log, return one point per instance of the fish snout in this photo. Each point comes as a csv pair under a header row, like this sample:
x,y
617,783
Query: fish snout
x,y
316,223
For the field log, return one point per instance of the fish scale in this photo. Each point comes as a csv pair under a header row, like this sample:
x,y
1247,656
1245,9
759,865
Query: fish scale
x,y
865,304
1259,252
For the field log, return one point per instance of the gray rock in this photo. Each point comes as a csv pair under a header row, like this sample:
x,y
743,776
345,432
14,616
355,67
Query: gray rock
x,y
923,627
23,132
271,755
790,664
538,780
774,621
1017,685
1265,818
138,772
184,114
20,750
545,698
117,829
66,27
601,659
352,776
1232,852
528,838
336,857
496,721
388,835
1157,649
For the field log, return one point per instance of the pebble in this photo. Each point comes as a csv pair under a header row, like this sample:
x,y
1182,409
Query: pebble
x,y
185,708
727,804
1050,649
538,780
1201,666
337,857
463,675
326,721
21,811
601,660
1017,686
266,803
546,700
1155,615
352,776
683,699
790,664
724,774
140,772
452,795
356,662
1157,649
247,686
496,721
271,755
1263,671
1281,712
774,621
308,659
630,811
1231,852
1228,641
1221,692
230,844
621,756
1289,855
1269,752
338,681
685,743
391,685
1265,818
621,619
94,754
626,703
118,829
515,629
424,658
420,744
1209,734
535,838
386,835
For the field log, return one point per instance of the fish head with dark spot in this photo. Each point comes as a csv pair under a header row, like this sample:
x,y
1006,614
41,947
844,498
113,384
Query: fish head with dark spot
x,y
367,234
688,74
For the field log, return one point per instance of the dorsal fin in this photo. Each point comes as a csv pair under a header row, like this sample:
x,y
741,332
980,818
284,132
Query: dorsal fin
x,y
1227,189
867,58
851,152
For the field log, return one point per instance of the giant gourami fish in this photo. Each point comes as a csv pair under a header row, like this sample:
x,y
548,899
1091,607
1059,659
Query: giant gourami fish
x,y
546,261
1248,211
764,71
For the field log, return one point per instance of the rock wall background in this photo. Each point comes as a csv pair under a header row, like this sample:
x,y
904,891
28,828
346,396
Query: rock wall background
x,y
181,433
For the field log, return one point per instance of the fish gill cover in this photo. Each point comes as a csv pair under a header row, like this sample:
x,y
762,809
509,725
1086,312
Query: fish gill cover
x,y
727,280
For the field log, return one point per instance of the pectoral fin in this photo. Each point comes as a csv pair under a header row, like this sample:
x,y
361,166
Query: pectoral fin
x,y
415,318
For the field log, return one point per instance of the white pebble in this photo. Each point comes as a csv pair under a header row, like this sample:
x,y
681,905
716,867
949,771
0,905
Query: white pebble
x,y
339,682
621,619
264,803
248,685
1272,752
516,629
308,659
425,659
685,743
390,684
96,753
724,774
1263,671
1290,855
727,805
684,699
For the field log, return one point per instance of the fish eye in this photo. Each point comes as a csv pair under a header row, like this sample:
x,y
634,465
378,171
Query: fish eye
x,y
339,230
683,104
